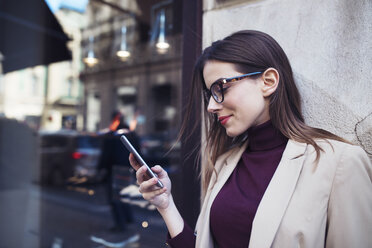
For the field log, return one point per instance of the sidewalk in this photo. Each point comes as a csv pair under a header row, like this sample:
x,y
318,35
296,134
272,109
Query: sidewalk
x,y
73,218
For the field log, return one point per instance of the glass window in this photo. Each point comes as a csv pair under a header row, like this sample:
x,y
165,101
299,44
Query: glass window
x,y
66,178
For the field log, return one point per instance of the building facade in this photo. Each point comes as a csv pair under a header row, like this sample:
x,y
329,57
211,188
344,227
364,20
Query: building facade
x,y
143,82
48,97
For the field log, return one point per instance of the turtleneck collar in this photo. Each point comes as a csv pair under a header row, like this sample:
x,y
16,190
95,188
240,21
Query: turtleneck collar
x,y
264,137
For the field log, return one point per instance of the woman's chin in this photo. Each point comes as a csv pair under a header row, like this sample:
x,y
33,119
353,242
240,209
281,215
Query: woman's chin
x,y
231,133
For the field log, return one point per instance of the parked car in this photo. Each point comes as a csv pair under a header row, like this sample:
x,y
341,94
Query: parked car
x,y
68,155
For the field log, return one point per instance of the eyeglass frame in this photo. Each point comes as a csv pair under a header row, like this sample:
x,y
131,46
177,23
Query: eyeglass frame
x,y
220,82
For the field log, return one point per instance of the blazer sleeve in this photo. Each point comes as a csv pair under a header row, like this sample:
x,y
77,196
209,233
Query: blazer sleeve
x,y
349,222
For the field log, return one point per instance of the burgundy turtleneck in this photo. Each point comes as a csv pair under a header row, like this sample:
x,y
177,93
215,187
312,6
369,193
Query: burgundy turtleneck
x,y
235,206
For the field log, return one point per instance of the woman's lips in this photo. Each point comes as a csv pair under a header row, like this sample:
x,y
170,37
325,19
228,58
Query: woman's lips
x,y
224,119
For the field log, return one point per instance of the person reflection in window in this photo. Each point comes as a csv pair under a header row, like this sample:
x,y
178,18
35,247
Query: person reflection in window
x,y
118,171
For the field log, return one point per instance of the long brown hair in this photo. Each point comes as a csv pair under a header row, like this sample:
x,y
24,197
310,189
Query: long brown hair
x,y
252,51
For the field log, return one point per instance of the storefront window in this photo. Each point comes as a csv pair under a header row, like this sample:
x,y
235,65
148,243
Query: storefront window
x,y
73,185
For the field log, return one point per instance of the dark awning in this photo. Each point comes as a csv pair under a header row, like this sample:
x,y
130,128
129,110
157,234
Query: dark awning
x,y
30,35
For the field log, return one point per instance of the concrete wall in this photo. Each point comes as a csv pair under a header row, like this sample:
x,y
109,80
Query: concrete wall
x,y
330,49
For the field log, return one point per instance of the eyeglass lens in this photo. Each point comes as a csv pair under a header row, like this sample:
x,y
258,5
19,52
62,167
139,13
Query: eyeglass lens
x,y
217,91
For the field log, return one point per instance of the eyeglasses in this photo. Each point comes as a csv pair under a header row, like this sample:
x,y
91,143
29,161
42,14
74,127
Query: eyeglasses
x,y
217,88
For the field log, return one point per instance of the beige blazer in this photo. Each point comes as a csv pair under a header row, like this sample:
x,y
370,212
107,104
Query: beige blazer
x,y
328,204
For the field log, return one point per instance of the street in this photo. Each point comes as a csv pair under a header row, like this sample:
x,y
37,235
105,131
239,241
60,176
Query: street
x,y
80,217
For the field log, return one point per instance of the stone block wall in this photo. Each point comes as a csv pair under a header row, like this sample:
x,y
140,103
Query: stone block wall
x,y
329,46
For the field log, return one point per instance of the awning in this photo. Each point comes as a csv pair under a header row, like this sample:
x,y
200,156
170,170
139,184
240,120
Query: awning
x,y
30,35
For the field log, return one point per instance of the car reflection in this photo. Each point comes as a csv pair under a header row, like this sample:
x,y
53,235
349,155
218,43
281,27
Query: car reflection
x,y
68,155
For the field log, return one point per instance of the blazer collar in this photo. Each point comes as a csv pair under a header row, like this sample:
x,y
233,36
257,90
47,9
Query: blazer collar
x,y
277,196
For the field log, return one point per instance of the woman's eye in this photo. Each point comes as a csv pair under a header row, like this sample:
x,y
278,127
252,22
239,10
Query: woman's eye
x,y
219,89
224,89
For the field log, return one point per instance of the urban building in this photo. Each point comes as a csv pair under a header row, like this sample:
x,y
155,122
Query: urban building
x,y
133,64
49,96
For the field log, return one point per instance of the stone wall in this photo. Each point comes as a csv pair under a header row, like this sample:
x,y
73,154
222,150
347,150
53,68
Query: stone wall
x,y
330,49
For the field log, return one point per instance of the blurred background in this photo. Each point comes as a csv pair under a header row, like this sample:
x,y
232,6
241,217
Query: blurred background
x,y
74,76
77,74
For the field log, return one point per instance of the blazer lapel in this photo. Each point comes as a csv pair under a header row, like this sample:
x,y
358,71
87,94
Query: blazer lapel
x,y
225,166
277,196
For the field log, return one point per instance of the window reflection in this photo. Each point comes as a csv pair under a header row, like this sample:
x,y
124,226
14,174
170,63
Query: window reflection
x,y
124,78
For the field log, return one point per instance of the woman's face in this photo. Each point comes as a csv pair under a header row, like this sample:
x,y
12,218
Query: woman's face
x,y
244,105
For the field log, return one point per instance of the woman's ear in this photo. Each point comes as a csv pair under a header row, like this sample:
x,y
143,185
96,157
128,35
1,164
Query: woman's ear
x,y
271,80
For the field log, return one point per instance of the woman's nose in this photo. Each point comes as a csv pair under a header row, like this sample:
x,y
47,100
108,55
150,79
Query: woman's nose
x,y
213,106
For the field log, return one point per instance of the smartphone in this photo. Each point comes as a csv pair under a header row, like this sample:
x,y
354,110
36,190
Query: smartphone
x,y
131,149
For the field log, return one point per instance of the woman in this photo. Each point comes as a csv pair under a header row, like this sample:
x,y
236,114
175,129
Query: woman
x,y
268,179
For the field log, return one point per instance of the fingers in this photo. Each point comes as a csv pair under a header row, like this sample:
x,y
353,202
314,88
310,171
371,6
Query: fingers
x,y
149,190
146,186
133,162
149,196
146,183
159,171
141,175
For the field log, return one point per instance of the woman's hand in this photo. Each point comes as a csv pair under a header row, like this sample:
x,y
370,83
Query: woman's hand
x,y
159,197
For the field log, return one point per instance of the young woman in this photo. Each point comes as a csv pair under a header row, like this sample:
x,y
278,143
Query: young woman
x,y
268,179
